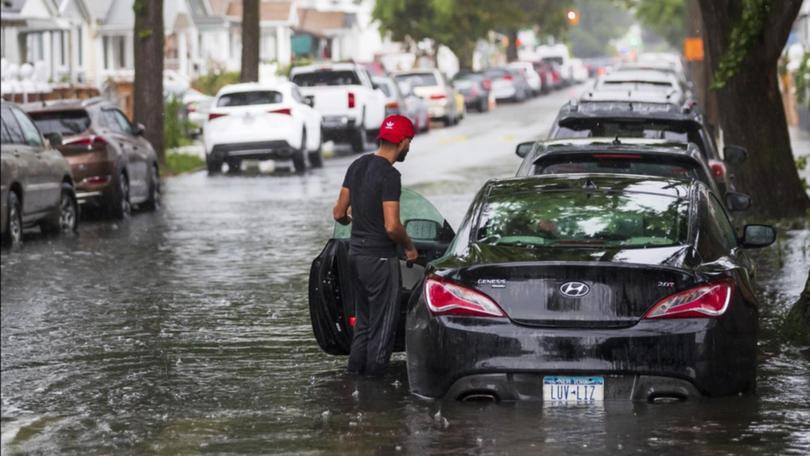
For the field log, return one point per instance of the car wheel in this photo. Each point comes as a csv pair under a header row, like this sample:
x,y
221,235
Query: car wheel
x,y
299,156
316,157
234,166
214,166
120,206
65,218
483,106
153,203
12,235
359,140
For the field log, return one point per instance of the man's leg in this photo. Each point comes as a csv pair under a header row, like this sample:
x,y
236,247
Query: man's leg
x,y
357,356
383,302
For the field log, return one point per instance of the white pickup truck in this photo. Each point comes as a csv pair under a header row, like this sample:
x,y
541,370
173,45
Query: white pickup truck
x,y
351,106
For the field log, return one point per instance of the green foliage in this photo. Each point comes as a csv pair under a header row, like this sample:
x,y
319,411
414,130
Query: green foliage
x,y
666,18
750,26
210,83
802,81
176,127
178,163
601,21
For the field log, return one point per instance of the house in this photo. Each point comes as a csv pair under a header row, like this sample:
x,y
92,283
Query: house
x,y
277,19
337,30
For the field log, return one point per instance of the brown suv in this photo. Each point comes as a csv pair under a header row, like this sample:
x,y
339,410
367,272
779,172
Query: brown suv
x,y
36,186
114,166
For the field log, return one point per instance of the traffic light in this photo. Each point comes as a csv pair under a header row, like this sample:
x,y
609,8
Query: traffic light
x,y
572,16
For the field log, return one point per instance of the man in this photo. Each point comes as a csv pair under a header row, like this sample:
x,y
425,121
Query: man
x,y
372,188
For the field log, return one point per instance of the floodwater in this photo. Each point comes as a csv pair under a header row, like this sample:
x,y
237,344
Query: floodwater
x,y
187,331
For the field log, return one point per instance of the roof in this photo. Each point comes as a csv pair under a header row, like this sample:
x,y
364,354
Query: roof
x,y
640,96
323,22
269,10
651,76
618,145
62,105
561,182
627,108
248,86
325,67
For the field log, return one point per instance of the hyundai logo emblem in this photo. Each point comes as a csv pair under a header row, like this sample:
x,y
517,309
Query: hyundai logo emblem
x,y
575,289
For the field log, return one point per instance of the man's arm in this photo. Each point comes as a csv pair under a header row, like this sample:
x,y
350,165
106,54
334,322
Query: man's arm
x,y
341,210
395,230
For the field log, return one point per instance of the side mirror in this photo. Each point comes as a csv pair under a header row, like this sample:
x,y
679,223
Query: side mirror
x,y
736,201
734,155
756,236
423,229
309,100
139,129
523,149
54,139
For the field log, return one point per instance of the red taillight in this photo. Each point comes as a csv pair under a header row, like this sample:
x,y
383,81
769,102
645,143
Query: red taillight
x,y
627,156
214,115
507,77
710,300
90,141
351,99
718,168
487,84
446,298
438,96
96,180
286,111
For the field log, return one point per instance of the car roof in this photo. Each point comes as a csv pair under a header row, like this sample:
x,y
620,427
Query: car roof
x,y
70,104
630,145
410,72
248,86
326,67
676,188
628,105
653,76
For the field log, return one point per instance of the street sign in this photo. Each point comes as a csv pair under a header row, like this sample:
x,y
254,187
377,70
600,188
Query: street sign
x,y
693,49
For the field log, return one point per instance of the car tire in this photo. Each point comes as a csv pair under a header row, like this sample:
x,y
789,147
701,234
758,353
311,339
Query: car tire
x,y
214,166
483,106
316,156
153,202
300,155
12,232
234,166
359,140
65,219
120,206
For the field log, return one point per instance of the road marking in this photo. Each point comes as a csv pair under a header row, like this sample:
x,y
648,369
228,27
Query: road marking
x,y
454,139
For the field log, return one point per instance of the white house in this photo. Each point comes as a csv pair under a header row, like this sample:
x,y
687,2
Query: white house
x,y
337,30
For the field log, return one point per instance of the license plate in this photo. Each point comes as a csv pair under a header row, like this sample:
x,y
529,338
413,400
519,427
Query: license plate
x,y
573,389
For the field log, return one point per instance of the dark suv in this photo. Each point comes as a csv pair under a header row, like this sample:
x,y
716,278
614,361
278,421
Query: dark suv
x,y
37,187
114,166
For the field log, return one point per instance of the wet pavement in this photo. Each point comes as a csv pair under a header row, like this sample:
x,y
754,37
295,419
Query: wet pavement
x,y
187,331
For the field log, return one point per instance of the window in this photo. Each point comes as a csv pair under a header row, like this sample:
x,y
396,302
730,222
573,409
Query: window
x,y
581,218
716,235
326,78
80,45
115,121
419,79
724,225
15,134
122,52
5,136
258,97
123,122
296,95
66,123
635,165
29,130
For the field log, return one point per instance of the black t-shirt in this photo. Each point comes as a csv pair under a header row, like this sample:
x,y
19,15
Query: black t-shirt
x,y
371,179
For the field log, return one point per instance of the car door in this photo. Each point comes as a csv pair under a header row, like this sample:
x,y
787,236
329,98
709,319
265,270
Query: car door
x,y
40,190
138,157
118,133
331,293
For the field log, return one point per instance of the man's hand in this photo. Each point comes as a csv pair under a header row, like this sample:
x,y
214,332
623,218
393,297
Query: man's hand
x,y
342,213
411,254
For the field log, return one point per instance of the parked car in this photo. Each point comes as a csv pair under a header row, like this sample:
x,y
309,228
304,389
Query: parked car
x,y
113,165
547,75
351,107
197,106
638,156
476,90
640,81
404,103
559,55
507,84
262,121
36,186
532,77
579,71
650,115
645,276
661,67
432,86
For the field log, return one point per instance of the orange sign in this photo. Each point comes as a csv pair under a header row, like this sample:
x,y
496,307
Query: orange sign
x,y
693,49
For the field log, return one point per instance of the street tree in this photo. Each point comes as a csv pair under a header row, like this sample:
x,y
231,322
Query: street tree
x,y
148,52
249,71
667,18
744,40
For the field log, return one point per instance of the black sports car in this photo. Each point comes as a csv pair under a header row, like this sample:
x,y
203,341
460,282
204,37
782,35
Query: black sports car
x,y
572,288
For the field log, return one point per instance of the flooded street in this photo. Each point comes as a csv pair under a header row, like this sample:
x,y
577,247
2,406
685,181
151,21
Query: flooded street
x,y
187,331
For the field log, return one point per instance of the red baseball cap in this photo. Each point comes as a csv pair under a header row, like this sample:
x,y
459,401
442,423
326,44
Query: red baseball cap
x,y
395,129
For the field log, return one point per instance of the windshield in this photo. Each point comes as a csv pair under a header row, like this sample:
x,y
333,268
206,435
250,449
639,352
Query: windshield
x,y
582,218
326,78
419,79
629,164
249,98
66,123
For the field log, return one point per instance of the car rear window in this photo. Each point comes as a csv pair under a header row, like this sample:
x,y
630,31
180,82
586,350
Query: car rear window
x,y
583,218
595,128
635,85
419,79
66,123
258,97
612,164
326,78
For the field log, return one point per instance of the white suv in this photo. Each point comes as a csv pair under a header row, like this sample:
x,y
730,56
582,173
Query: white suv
x,y
262,121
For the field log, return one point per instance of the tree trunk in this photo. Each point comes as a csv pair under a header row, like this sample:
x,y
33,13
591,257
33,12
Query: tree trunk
x,y
250,41
512,50
752,114
148,106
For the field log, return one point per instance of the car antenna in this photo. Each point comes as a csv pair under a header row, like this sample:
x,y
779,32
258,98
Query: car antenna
x,y
617,141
